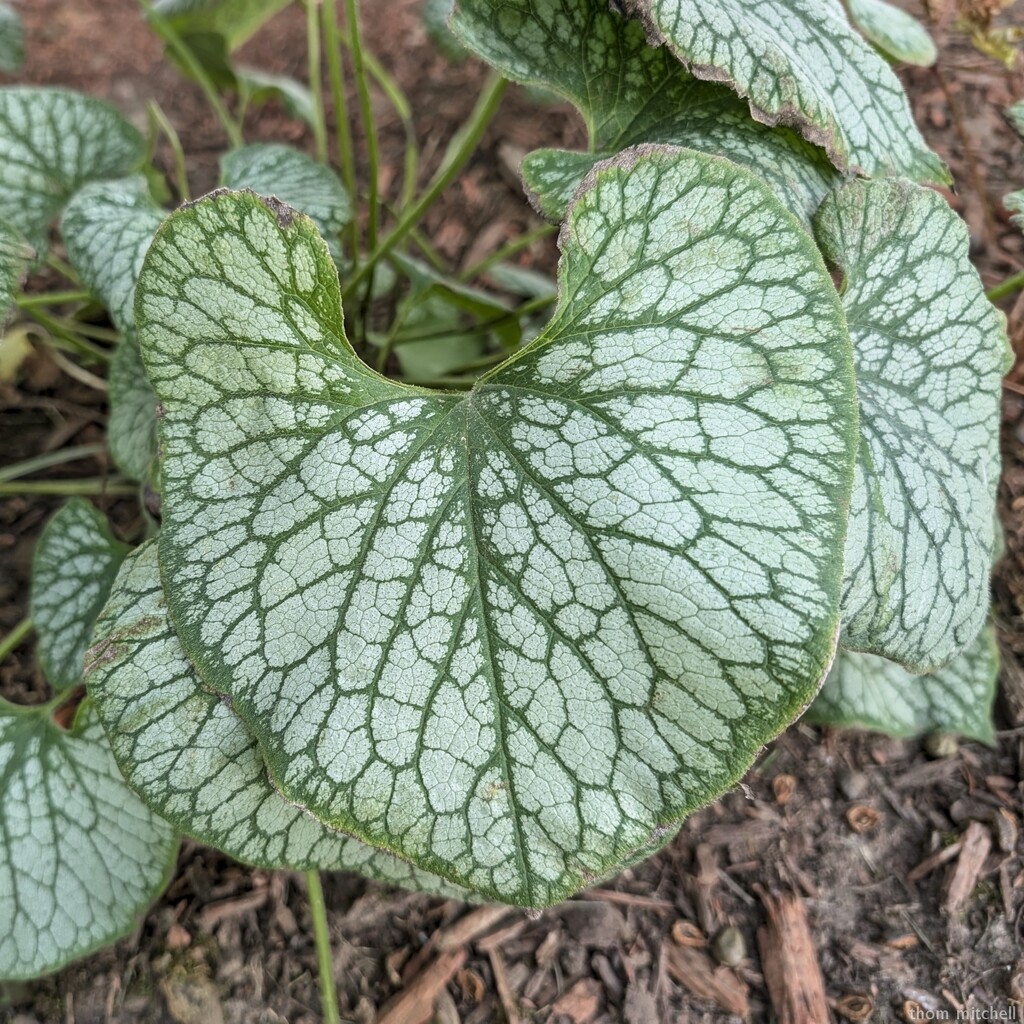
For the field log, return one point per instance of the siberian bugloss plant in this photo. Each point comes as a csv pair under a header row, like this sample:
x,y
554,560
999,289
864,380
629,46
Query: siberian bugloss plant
x,y
487,600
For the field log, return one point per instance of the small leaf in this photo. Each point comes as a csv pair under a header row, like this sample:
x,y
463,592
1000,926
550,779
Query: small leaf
x,y
897,34
930,351
628,93
75,564
82,856
52,142
107,228
235,20
271,169
513,636
12,39
435,20
1014,202
799,62
131,429
874,693
189,756
296,98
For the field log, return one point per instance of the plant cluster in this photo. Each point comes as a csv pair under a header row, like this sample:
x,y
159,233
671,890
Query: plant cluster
x,y
487,599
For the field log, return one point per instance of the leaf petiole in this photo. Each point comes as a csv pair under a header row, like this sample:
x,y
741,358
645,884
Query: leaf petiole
x,y
16,637
325,961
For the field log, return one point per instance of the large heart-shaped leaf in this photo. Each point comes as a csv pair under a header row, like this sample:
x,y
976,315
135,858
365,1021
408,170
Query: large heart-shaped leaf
x,y
189,756
81,857
293,177
107,228
930,351
512,635
897,34
75,564
628,93
875,693
12,39
800,63
52,142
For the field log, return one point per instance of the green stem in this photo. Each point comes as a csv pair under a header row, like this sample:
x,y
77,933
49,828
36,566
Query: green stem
x,y
160,119
324,960
62,267
342,128
15,637
316,87
400,102
170,35
366,114
1008,287
482,326
515,246
72,339
52,299
58,458
459,151
111,486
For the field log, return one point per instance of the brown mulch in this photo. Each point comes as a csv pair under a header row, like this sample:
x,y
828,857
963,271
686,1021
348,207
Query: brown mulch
x,y
861,869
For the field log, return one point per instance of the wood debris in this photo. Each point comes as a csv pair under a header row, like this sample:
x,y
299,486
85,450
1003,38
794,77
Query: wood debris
x,y
976,844
697,973
416,1002
792,973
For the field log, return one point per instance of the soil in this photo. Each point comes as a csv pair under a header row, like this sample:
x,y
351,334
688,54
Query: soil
x,y
867,835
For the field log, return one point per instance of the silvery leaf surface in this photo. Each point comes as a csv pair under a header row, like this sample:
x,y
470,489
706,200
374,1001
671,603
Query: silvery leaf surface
x,y
513,635
875,693
81,857
930,352
75,563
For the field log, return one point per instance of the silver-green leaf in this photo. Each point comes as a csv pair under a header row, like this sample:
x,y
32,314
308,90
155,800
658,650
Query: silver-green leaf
x,y
875,693
897,34
272,169
930,351
52,142
131,428
185,752
628,93
12,39
75,564
107,227
15,254
513,635
800,63
81,857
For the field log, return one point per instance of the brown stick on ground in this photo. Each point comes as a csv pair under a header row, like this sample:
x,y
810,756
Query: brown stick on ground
x,y
416,1002
697,972
791,970
975,846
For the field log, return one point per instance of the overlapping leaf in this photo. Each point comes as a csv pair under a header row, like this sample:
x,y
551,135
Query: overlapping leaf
x,y
12,39
272,169
107,228
81,857
75,564
513,635
628,93
435,19
190,758
897,34
800,63
930,351
875,693
52,142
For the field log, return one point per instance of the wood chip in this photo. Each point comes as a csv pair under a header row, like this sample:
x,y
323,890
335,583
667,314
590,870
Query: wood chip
x,y
698,974
471,927
506,997
931,862
581,1003
212,915
976,844
792,973
415,1004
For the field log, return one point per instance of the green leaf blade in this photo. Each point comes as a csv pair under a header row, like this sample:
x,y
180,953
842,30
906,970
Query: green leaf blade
x,y
799,62
930,352
81,857
12,39
897,34
272,169
52,142
189,756
410,675
75,564
629,93
869,692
